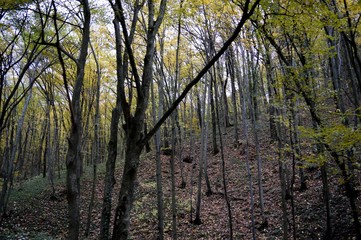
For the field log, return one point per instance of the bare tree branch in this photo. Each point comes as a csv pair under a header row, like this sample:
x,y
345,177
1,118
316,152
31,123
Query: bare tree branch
x,y
246,15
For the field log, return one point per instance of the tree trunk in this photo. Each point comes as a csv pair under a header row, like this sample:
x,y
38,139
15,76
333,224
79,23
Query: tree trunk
x,y
73,157
203,150
173,188
56,149
326,198
41,164
109,180
296,143
282,169
231,71
135,141
47,160
176,83
122,69
212,85
8,169
96,142
206,122
191,142
199,111
243,100
252,110
259,166
271,93
126,195
160,205
24,154
227,123
214,120
282,176
224,180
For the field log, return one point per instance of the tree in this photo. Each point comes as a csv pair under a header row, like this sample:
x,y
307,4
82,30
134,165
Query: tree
x,y
135,122
243,100
73,157
17,54
96,142
298,55
203,158
122,70
18,72
157,141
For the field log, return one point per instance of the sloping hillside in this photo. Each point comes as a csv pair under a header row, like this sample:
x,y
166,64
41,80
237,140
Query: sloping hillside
x,y
35,215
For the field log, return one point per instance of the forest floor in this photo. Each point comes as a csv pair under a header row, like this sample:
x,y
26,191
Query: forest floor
x,y
35,215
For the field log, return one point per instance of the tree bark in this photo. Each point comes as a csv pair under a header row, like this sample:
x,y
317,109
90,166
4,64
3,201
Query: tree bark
x,y
134,124
157,142
224,180
95,157
122,69
109,180
8,170
73,157
204,134
233,76
254,126
243,100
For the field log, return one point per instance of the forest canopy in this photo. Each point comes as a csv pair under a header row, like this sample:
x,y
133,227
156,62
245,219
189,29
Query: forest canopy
x,y
105,84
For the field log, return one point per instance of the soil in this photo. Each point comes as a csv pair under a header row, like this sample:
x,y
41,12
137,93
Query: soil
x,y
45,217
